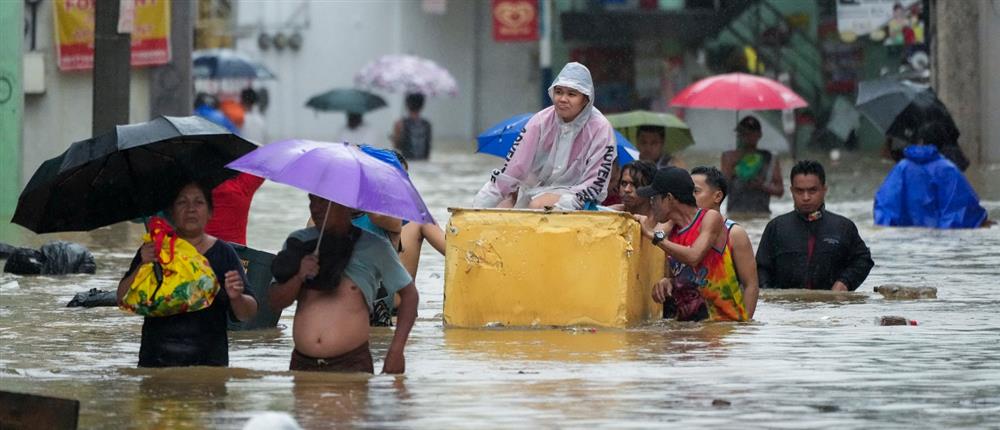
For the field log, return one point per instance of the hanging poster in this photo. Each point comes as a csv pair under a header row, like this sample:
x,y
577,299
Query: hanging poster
x,y
886,20
515,20
74,25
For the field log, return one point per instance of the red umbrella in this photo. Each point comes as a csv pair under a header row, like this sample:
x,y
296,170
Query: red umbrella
x,y
738,91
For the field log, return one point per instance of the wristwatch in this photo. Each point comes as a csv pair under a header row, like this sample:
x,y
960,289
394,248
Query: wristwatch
x,y
658,237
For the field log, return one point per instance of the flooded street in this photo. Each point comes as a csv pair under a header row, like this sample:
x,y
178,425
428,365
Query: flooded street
x,y
810,360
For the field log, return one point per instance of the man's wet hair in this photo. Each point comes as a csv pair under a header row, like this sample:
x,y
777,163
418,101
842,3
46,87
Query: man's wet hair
x,y
206,99
401,158
808,167
643,169
934,133
714,178
652,129
248,97
414,102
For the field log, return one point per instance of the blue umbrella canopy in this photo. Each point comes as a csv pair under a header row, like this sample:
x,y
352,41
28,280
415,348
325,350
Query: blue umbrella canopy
x,y
498,139
227,64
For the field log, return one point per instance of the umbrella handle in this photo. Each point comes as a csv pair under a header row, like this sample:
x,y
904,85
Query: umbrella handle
x,y
322,226
158,273
157,268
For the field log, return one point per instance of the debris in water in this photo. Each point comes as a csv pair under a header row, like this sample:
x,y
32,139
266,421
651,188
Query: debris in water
x,y
895,320
900,292
827,408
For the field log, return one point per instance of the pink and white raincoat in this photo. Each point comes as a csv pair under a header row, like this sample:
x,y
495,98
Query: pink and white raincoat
x,y
571,159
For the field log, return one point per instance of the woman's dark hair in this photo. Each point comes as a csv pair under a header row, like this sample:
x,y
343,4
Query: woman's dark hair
x,y
414,101
642,172
808,167
205,189
714,178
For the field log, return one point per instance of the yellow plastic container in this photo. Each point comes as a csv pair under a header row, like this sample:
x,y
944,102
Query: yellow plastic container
x,y
519,268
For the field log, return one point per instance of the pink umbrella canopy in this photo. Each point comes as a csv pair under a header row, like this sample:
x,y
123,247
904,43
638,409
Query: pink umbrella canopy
x,y
406,74
738,91
338,172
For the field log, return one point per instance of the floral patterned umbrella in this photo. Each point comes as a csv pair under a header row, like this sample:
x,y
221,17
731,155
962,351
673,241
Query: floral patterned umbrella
x,y
407,74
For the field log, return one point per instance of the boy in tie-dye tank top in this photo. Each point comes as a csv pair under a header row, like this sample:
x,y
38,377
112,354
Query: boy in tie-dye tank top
x,y
700,256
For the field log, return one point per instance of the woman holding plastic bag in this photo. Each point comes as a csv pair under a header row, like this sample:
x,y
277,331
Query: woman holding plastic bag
x,y
564,155
195,337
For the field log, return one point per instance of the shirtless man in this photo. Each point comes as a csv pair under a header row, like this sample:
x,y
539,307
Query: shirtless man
x,y
331,329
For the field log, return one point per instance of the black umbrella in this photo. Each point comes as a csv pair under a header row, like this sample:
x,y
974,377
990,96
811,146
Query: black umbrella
x,y
128,173
899,107
346,99
227,64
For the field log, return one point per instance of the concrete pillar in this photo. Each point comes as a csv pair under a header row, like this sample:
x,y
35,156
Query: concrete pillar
x,y
112,58
171,91
11,110
989,66
956,73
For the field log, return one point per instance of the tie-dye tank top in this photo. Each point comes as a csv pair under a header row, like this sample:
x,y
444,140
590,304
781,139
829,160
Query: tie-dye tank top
x,y
715,278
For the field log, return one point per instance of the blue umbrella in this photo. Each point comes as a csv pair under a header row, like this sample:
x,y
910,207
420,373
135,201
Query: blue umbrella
x,y
226,64
498,139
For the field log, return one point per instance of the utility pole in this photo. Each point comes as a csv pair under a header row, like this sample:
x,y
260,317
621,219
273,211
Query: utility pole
x,y
956,73
112,55
545,49
171,85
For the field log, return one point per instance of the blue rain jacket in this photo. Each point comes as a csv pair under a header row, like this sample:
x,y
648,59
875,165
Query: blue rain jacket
x,y
927,190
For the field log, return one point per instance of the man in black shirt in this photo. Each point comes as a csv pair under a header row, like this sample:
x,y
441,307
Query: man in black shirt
x,y
811,247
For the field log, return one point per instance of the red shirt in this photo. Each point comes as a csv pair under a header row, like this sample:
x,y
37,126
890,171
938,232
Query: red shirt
x,y
231,208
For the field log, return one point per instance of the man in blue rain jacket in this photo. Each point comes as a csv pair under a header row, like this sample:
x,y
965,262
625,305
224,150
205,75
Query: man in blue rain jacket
x,y
927,190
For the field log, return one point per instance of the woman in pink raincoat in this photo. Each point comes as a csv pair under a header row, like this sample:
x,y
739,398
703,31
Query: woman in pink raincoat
x,y
564,155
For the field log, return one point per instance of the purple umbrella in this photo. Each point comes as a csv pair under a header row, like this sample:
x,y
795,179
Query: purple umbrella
x,y
338,172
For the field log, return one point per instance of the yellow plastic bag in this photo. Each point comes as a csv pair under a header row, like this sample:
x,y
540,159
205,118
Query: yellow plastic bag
x,y
185,284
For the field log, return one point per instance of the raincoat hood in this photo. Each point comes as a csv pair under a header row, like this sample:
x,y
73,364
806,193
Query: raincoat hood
x,y
921,154
576,76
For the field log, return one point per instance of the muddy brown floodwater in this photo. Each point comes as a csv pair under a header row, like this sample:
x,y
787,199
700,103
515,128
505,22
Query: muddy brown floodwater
x,y
810,360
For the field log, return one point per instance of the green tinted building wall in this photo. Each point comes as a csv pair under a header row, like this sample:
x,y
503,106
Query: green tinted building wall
x,y
11,106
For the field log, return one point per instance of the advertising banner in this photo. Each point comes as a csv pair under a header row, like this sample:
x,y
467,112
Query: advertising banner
x,y
74,25
515,20
896,22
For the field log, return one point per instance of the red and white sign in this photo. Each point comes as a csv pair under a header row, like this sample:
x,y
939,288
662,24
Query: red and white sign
x,y
515,20
147,20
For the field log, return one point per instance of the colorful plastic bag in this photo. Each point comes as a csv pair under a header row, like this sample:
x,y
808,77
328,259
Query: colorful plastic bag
x,y
180,280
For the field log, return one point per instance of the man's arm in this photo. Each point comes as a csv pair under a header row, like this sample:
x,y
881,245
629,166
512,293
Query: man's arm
x,y
434,235
776,187
397,134
708,234
765,258
395,361
282,294
746,267
392,226
726,164
146,254
859,263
